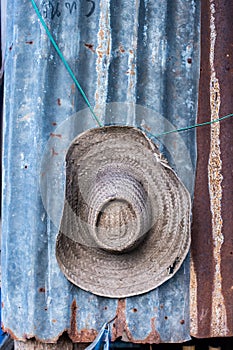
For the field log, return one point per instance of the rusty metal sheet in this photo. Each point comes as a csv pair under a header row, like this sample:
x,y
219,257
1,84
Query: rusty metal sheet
x,y
138,62
212,247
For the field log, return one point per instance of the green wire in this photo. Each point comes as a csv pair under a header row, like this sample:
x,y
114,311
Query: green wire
x,y
65,62
188,127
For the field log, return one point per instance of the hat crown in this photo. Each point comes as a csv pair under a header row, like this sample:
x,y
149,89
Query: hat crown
x,y
120,217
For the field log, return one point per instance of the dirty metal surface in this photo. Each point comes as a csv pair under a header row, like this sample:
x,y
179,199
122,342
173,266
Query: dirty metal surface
x,y
32,344
212,244
135,52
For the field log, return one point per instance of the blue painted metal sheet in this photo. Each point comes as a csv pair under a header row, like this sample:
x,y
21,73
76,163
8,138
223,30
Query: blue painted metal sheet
x,y
138,62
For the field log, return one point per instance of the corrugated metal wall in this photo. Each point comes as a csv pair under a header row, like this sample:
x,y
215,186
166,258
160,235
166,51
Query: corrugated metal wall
x,y
212,283
134,52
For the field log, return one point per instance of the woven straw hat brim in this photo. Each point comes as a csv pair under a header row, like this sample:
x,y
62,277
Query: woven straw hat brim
x,y
97,161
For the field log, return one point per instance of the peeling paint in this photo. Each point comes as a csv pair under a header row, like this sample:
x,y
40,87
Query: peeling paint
x,y
219,321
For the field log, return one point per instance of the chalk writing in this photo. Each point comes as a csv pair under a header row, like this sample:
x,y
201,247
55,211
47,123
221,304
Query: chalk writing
x,y
70,6
92,8
52,9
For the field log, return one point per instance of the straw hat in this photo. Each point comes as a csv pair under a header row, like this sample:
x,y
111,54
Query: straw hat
x,y
125,227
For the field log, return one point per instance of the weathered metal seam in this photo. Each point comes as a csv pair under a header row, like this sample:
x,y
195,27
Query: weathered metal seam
x,y
223,65
132,71
103,60
218,321
202,245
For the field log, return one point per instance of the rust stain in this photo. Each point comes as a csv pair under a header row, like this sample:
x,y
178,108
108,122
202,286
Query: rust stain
x,y
54,321
54,153
29,42
119,324
55,135
59,102
121,329
73,88
42,290
108,51
33,337
54,123
100,53
121,49
82,336
101,34
90,47
131,72
73,322
9,331
153,337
